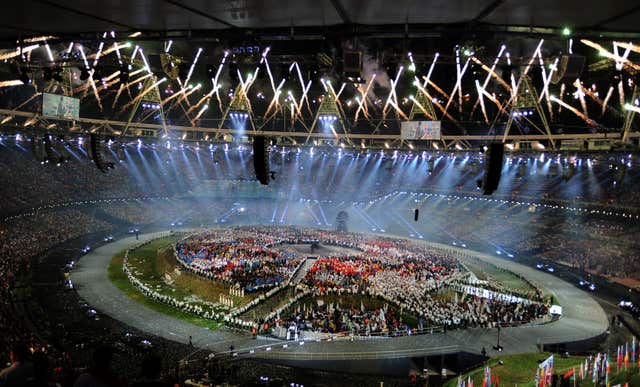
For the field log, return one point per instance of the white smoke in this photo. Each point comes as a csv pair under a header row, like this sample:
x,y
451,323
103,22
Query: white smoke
x,y
371,66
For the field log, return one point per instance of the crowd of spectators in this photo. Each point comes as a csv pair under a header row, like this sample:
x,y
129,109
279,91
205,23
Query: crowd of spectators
x,y
325,174
59,203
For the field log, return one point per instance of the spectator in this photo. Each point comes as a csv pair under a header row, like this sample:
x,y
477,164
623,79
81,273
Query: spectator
x,y
20,373
101,374
151,369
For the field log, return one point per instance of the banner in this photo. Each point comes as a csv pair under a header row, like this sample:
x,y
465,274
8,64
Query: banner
x,y
555,310
420,130
60,106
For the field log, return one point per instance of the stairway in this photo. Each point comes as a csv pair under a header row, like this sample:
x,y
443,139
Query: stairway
x,y
306,266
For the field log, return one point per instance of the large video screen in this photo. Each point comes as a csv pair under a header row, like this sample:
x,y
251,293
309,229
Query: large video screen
x,y
420,130
60,106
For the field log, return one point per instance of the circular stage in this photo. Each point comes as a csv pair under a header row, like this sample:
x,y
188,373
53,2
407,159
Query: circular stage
x,y
582,317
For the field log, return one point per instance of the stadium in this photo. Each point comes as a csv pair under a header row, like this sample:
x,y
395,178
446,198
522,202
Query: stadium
x,y
331,193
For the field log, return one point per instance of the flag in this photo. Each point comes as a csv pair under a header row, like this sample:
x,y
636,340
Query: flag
x,y
545,373
469,381
626,356
606,372
619,359
569,373
633,349
486,380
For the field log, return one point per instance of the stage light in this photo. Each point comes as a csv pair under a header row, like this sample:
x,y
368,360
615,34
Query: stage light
x,y
566,31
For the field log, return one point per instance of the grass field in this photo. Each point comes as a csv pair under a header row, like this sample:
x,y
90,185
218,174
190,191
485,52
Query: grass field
x,y
485,271
268,305
146,262
520,370
190,283
348,301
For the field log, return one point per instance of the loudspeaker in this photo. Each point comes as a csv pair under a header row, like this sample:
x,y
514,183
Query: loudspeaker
x,y
570,67
36,149
94,145
493,167
48,148
352,63
416,213
96,155
261,159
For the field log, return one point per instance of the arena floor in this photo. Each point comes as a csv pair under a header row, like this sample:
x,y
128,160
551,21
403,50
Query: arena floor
x,y
583,318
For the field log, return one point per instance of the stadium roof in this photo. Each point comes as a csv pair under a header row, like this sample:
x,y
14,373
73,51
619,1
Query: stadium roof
x,y
70,17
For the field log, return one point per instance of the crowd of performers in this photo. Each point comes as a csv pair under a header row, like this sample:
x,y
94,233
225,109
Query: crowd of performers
x,y
409,279
239,256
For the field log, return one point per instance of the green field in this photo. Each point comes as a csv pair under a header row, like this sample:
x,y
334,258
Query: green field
x,y
354,301
145,260
267,306
486,271
520,370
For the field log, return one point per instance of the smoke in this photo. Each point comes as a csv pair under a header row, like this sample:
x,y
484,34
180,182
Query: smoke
x,y
382,83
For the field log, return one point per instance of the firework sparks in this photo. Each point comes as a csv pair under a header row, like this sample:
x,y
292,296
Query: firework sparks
x,y
575,111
